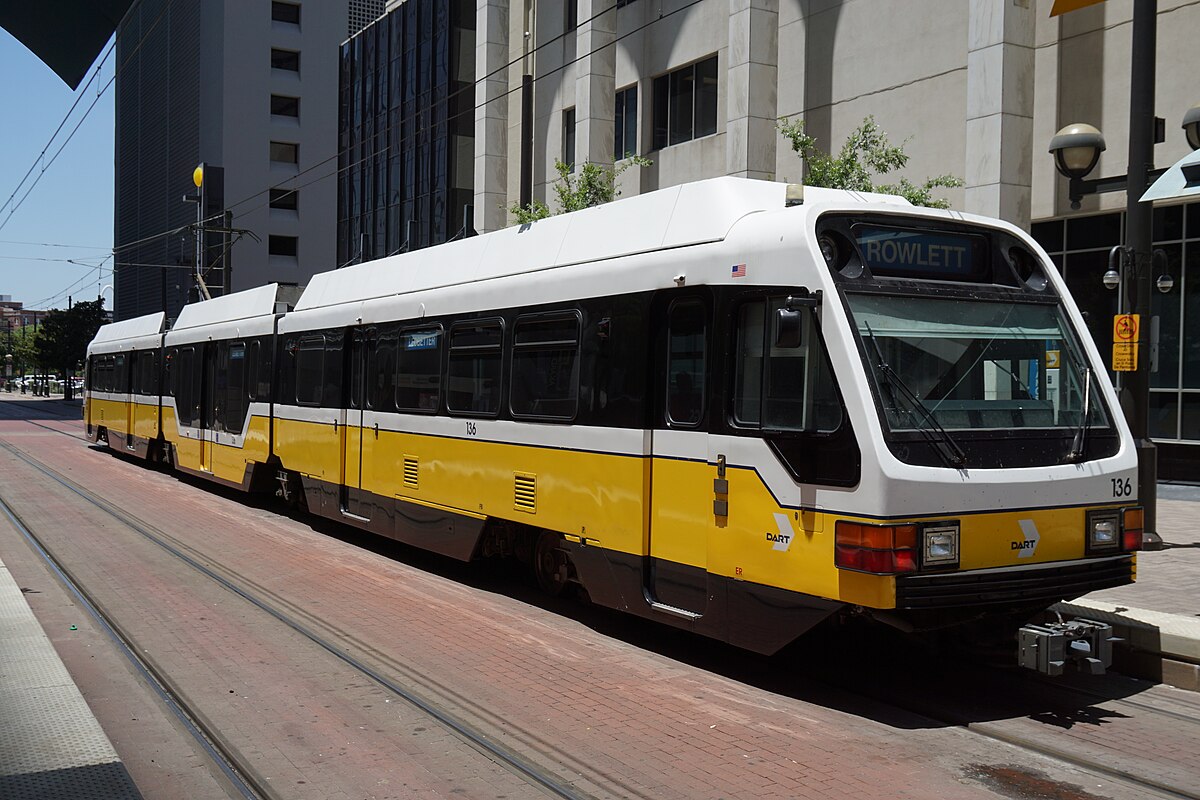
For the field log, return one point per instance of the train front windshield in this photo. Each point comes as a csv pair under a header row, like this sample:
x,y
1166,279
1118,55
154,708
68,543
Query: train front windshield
x,y
972,365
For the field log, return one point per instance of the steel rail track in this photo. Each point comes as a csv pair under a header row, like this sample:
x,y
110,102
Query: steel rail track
x,y
503,755
244,782
990,731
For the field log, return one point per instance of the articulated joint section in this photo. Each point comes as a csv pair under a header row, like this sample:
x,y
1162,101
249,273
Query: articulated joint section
x,y
1049,647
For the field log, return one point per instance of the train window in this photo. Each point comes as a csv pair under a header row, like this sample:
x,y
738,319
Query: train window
x,y
263,375
310,370
419,369
234,402
252,352
147,369
473,380
545,367
187,394
381,373
782,388
686,362
169,357
120,373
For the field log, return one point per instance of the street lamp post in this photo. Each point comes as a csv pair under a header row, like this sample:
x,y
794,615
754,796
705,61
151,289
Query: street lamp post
x,y
1135,387
1076,148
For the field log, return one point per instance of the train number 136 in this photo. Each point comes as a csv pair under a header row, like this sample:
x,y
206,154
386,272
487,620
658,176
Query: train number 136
x,y
1122,487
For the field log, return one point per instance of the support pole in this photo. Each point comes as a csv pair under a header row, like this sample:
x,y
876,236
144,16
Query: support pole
x,y
1135,386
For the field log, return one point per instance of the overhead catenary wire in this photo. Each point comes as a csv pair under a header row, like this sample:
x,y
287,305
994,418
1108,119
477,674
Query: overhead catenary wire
x,y
120,67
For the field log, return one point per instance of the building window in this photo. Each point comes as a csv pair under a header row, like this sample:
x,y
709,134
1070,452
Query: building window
x,y
285,199
283,106
283,246
285,153
285,59
568,137
625,141
685,104
571,16
285,12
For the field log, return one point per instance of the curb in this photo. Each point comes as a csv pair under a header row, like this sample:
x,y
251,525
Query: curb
x,y
1151,644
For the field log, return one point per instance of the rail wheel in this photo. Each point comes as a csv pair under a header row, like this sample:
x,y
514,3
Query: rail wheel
x,y
550,565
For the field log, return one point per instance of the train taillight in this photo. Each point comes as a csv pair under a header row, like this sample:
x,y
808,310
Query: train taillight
x,y
882,549
1131,528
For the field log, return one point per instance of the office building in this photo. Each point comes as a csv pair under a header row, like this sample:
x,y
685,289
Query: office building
x,y
249,88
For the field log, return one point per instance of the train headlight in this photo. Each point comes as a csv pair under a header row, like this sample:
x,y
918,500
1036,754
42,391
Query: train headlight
x,y
940,546
829,249
1103,531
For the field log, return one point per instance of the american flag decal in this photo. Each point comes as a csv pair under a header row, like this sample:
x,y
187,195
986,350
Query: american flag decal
x,y
738,271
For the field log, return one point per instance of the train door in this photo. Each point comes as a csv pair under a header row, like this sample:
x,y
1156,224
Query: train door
x,y
208,404
681,486
359,355
125,373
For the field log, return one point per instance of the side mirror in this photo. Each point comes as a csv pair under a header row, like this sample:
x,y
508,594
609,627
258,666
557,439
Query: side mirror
x,y
789,323
787,328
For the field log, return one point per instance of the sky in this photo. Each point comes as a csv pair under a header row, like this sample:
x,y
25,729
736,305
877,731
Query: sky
x,y
69,212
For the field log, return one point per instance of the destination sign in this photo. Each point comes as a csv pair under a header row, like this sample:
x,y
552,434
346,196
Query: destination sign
x,y
901,253
425,340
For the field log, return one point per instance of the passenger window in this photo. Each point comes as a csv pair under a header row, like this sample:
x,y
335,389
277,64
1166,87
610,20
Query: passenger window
x,y
310,370
473,380
419,369
187,400
791,388
545,371
148,372
236,402
120,373
686,362
381,373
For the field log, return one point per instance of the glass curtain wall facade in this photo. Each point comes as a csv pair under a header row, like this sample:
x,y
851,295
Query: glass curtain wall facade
x,y
1079,247
406,130
157,147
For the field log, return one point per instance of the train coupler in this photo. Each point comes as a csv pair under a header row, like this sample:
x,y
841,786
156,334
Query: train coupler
x,y
1049,647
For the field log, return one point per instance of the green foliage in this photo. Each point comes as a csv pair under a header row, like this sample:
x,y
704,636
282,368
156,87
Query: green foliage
x,y
63,336
530,213
18,342
865,154
593,186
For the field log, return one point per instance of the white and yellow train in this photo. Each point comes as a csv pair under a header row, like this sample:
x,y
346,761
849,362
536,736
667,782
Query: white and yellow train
x,y
735,406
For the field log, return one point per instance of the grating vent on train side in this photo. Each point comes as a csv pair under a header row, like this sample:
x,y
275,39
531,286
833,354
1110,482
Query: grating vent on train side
x,y
525,492
411,470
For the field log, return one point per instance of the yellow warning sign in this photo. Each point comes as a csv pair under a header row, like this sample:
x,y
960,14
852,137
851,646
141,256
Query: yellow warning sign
x,y
1067,6
1125,356
1125,328
1053,359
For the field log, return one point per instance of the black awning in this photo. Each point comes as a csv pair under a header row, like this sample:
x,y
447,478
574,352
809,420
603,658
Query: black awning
x,y
65,34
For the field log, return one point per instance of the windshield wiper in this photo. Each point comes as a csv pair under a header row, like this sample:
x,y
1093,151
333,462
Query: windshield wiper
x,y
1081,432
943,444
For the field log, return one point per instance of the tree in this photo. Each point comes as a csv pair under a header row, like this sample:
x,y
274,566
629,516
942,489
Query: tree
x,y
593,186
63,336
20,345
866,153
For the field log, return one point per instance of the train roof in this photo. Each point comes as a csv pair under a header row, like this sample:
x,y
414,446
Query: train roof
x,y
126,333
256,302
689,214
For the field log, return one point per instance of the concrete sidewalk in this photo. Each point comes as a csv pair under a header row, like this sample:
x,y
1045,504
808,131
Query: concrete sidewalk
x,y
1159,615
